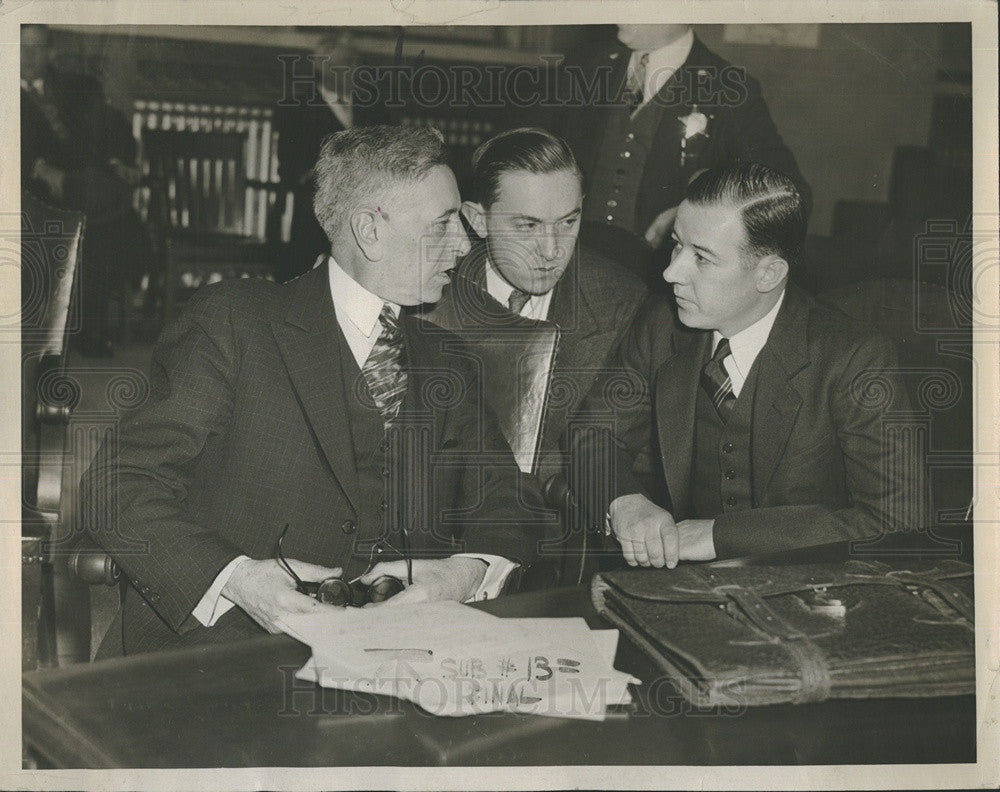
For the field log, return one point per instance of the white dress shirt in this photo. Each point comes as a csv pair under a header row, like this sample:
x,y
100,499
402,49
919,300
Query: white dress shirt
x,y
537,306
662,64
745,345
357,311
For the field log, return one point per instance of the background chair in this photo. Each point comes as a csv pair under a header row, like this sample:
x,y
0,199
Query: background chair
x,y
51,246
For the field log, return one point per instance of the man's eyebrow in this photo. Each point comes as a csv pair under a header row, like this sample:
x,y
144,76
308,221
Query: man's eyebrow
x,y
540,220
446,214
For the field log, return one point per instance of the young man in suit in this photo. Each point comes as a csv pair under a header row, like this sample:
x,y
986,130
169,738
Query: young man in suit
x,y
318,406
672,108
524,204
762,433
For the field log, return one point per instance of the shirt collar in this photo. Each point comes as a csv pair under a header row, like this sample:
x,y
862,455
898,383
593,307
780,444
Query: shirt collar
x,y
663,62
499,289
354,301
746,344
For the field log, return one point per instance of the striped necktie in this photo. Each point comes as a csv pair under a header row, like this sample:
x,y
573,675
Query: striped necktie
x,y
384,371
636,82
716,382
517,300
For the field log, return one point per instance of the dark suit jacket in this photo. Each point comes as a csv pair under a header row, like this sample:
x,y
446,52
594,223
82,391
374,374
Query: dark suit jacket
x,y
739,124
593,305
244,430
821,469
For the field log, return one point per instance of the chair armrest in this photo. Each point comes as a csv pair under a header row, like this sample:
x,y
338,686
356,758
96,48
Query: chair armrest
x,y
94,567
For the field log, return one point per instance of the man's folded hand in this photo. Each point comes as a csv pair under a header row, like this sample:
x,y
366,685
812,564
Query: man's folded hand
x,y
267,593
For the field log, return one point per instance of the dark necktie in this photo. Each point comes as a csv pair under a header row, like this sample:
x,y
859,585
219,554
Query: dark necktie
x,y
383,370
716,382
517,300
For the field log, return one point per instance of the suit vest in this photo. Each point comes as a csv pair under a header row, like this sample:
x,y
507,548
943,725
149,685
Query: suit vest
x,y
722,480
613,186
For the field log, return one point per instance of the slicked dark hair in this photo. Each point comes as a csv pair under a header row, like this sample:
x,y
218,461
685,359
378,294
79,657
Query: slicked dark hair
x,y
769,203
355,164
531,149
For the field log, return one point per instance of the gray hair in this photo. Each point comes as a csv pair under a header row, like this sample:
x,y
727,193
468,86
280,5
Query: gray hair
x,y
356,163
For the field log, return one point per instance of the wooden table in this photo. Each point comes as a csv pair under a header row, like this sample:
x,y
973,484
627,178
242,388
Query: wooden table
x,y
238,705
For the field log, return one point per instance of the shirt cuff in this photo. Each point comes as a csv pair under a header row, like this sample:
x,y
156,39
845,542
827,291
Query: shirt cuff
x,y
213,605
498,569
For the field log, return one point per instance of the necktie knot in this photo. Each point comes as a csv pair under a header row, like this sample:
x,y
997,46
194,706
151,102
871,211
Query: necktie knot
x,y
517,300
388,320
722,351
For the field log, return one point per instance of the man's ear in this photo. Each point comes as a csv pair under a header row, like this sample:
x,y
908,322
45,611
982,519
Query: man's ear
x,y
475,214
366,225
771,272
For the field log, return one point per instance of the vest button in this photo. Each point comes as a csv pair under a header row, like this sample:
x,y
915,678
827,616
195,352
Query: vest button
x,y
630,136
730,474
730,501
727,448
612,203
385,472
610,218
348,526
625,154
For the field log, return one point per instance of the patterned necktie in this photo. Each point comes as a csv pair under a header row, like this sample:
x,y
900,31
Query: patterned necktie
x,y
636,84
383,370
517,300
716,382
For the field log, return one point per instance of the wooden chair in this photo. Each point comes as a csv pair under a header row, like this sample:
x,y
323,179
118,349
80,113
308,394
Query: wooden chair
x,y
51,245
204,210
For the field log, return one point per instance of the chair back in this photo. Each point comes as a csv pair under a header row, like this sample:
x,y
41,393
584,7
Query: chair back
x,y
51,246
197,180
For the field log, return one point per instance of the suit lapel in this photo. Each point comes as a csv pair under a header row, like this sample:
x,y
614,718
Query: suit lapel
x,y
777,402
675,391
309,339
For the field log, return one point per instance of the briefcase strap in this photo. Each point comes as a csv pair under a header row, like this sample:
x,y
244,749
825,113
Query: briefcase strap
x,y
948,591
814,671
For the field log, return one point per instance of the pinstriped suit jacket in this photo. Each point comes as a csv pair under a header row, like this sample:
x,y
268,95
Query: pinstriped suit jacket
x,y
244,431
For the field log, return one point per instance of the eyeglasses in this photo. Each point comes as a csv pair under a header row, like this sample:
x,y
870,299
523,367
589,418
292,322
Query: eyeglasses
x,y
343,593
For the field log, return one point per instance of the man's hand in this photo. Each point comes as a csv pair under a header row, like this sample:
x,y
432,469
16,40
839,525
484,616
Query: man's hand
x,y
455,578
267,593
661,227
648,534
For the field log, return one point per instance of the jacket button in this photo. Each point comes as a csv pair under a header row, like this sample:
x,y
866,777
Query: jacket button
x,y
728,448
730,501
145,589
348,526
154,598
383,507
385,472
730,474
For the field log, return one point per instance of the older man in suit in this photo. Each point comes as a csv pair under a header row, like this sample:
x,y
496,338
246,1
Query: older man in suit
x,y
525,204
317,409
671,108
763,432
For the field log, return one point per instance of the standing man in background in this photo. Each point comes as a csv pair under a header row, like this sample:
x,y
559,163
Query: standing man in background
x,y
674,108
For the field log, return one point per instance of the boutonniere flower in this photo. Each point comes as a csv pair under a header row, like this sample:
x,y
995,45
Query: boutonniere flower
x,y
695,123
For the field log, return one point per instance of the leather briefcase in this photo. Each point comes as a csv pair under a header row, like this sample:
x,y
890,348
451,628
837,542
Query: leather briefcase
x,y
751,635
